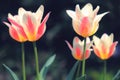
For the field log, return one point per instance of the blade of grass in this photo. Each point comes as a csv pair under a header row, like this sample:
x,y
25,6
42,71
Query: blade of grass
x,y
14,76
44,69
72,71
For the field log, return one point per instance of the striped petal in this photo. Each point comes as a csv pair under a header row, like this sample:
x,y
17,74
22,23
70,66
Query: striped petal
x,y
112,49
87,54
85,21
42,27
104,47
77,53
16,35
85,27
97,52
30,25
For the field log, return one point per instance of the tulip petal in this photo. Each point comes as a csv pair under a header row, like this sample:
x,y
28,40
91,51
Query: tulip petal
x,y
112,49
39,13
71,14
97,52
14,23
16,36
21,11
14,33
104,47
42,27
99,17
76,40
87,54
95,12
75,24
96,41
108,40
95,23
78,43
29,21
7,24
85,27
30,25
78,12
69,45
111,38
87,9
10,16
94,28
88,43
77,53
19,27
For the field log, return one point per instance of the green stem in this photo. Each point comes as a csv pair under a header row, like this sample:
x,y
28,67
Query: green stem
x,y
105,70
83,62
23,62
78,70
36,60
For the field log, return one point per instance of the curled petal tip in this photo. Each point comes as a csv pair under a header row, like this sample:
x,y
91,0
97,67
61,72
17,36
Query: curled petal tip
x,y
77,6
47,16
7,24
49,13
68,45
41,6
103,14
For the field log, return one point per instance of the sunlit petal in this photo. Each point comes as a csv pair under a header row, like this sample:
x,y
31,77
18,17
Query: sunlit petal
x,y
71,14
39,13
87,9
42,27
104,47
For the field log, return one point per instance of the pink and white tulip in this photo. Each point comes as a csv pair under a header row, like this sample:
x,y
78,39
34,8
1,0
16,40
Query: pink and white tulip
x,y
85,21
77,49
27,25
104,47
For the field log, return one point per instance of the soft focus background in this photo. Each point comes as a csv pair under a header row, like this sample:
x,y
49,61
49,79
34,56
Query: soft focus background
x,y
59,29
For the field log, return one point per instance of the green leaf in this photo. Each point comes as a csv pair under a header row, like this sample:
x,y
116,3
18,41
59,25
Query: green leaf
x,y
46,66
81,78
14,76
117,76
72,72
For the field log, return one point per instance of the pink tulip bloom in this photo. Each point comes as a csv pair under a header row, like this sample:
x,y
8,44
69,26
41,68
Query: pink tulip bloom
x,y
104,47
27,25
85,21
77,49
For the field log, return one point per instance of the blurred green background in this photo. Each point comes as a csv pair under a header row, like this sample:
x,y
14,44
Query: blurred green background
x,y
59,29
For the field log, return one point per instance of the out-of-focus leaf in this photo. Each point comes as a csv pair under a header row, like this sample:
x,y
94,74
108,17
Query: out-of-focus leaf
x,y
81,78
14,76
117,76
46,66
72,72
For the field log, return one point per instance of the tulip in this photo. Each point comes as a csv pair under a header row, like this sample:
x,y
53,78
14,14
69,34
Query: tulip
x,y
27,25
85,21
104,47
77,49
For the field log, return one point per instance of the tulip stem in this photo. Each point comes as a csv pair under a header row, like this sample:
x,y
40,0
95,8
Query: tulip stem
x,y
36,60
105,70
23,62
83,62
